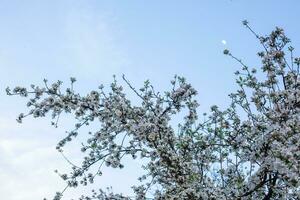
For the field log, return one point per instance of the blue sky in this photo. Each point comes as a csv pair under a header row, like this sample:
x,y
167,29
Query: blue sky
x,y
92,40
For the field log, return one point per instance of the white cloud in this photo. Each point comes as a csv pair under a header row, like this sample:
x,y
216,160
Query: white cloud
x,y
28,159
27,162
224,42
26,170
27,151
90,44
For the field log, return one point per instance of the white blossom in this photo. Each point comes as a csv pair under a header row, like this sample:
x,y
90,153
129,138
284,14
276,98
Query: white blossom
x,y
251,150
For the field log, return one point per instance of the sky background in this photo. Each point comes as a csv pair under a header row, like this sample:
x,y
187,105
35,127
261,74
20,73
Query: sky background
x,y
92,40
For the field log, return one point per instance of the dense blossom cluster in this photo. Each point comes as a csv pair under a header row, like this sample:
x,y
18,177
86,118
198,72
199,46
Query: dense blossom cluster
x,y
249,151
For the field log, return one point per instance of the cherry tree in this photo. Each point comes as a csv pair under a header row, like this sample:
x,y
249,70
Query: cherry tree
x,y
251,150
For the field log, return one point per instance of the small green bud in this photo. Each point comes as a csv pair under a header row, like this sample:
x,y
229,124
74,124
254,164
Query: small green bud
x,y
226,51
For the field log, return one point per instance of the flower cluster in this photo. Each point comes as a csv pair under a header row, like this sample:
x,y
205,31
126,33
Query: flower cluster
x,y
251,150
